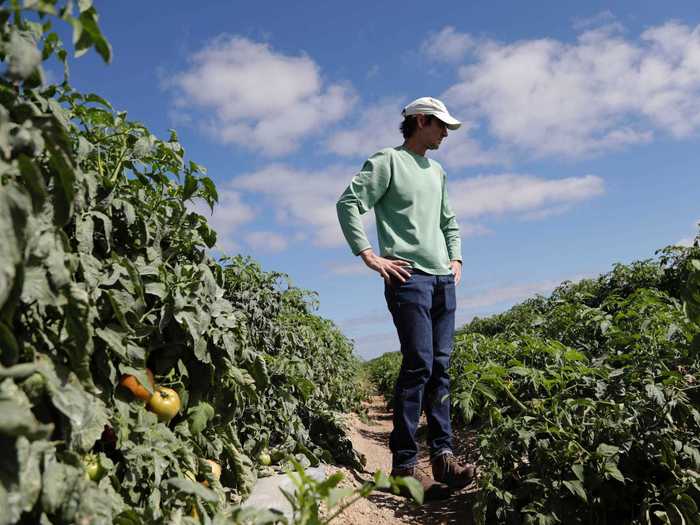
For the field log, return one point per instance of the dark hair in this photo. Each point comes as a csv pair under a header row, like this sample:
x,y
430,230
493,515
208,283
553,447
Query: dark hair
x,y
410,123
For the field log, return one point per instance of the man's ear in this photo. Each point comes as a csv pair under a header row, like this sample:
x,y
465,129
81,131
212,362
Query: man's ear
x,y
422,120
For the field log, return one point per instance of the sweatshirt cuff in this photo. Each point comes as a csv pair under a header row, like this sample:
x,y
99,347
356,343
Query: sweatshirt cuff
x,y
360,248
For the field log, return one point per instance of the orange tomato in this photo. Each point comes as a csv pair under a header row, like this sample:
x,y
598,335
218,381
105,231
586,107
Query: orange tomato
x,y
135,387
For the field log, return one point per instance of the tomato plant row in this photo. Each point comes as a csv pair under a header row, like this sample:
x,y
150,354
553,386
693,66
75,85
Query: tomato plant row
x,y
105,274
586,403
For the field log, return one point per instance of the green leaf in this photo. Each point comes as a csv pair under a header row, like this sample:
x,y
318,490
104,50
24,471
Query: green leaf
x,y
194,488
414,487
606,450
15,208
16,417
578,471
114,336
574,356
337,494
87,413
85,233
199,416
63,191
190,186
61,114
487,391
576,488
34,181
9,348
98,100
88,19
240,376
242,465
614,472
29,456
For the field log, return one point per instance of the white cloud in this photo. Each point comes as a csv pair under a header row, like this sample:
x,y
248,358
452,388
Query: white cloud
x,y
602,92
447,45
467,229
228,215
304,199
459,150
602,19
355,268
258,98
505,294
690,239
265,241
524,194
377,127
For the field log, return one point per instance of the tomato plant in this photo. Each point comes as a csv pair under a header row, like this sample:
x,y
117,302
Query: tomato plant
x,y
106,271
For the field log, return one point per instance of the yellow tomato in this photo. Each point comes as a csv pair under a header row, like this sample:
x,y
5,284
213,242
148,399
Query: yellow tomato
x,y
165,403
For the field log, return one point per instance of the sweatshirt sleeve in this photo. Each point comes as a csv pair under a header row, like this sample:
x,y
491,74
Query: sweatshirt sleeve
x,y
364,191
449,226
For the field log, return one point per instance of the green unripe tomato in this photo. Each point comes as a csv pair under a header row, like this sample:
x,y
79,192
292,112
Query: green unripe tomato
x,y
93,470
264,458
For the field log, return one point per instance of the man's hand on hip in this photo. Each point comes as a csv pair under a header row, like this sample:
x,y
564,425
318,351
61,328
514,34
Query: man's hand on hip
x,y
457,270
387,268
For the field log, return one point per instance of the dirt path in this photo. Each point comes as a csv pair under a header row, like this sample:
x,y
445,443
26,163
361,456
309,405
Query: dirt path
x,y
382,508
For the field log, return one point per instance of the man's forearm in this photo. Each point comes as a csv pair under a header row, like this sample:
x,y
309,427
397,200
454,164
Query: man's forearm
x,y
351,224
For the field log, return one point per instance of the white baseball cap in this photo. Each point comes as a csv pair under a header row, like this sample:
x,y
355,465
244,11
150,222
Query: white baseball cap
x,y
431,106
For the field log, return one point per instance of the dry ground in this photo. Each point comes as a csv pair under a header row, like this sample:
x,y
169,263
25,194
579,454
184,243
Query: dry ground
x,y
382,508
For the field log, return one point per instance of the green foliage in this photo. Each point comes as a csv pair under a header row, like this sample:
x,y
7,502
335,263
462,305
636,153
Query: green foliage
x,y
587,402
105,271
383,372
318,502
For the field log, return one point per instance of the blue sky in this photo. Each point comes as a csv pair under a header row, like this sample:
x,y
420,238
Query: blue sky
x,y
579,149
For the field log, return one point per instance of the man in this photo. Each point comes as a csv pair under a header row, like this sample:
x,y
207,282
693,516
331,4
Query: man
x,y
420,260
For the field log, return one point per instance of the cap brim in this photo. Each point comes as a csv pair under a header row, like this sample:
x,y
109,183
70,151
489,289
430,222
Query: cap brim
x,y
449,120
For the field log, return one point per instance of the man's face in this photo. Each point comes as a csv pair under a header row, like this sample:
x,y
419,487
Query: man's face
x,y
432,131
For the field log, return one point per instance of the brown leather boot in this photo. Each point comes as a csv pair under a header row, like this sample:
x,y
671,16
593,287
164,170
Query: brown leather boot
x,y
447,469
432,490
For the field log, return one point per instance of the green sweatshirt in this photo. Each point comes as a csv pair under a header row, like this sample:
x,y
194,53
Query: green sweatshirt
x,y
414,220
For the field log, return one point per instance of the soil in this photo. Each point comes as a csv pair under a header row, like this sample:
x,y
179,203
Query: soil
x,y
371,438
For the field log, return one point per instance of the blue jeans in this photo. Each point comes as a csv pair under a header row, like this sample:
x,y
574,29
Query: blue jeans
x,y
423,309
